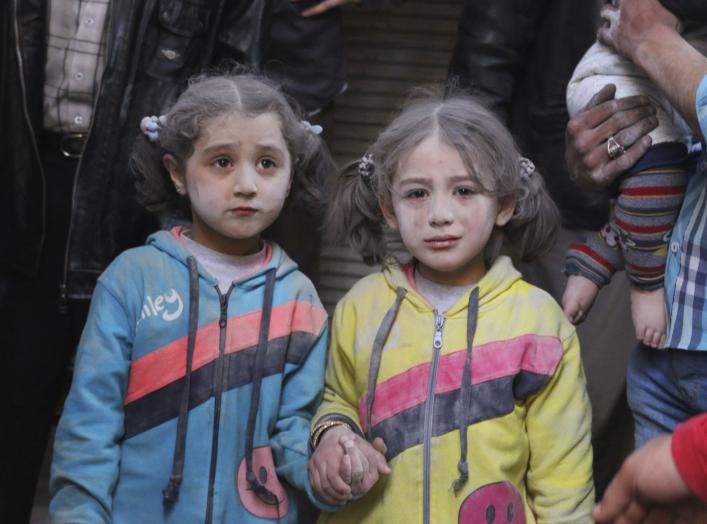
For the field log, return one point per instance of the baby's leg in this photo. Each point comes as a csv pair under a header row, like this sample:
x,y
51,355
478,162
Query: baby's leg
x,y
589,264
646,210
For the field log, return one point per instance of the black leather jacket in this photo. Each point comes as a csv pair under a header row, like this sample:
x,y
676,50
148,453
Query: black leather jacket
x,y
520,54
153,46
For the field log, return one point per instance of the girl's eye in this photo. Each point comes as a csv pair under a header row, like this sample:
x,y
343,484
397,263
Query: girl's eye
x,y
465,191
268,163
416,193
222,162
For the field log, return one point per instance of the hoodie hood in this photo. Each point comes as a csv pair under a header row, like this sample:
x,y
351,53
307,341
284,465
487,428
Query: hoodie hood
x,y
497,280
276,258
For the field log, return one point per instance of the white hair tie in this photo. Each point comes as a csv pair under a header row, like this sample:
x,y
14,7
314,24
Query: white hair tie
x,y
312,128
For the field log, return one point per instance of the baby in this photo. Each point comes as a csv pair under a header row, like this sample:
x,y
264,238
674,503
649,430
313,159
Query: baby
x,y
649,195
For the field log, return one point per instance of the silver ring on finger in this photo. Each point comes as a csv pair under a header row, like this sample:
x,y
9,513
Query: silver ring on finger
x,y
613,148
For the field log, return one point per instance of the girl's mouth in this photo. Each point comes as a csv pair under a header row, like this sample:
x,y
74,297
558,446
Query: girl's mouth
x,y
442,241
243,211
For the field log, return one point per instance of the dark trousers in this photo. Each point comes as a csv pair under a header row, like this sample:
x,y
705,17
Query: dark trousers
x,y
37,342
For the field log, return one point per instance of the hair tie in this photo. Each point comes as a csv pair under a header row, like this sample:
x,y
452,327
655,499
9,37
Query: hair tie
x,y
151,126
314,129
527,168
365,166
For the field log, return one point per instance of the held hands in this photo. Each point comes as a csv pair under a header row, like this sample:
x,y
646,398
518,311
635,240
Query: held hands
x,y
345,466
363,463
628,119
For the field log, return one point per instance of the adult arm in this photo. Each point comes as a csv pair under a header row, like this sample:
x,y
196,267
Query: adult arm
x,y
689,450
86,447
659,480
649,36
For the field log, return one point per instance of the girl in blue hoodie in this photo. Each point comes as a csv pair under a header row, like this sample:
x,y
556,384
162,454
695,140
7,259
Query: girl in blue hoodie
x,y
203,356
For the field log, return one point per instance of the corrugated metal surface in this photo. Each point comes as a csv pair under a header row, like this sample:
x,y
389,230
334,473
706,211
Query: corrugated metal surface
x,y
389,52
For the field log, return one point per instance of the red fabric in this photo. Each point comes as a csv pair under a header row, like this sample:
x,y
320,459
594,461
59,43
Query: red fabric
x,y
168,363
653,191
593,254
501,358
634,228
645,269
409,272
689,447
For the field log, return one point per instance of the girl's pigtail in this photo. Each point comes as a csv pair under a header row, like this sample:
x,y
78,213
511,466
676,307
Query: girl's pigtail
x,y
154,188
532,230
354,216
313,167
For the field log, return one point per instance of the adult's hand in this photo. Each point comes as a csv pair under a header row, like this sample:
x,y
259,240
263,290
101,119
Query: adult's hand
x,y
626,25
324,6
649,36
648,488
628,119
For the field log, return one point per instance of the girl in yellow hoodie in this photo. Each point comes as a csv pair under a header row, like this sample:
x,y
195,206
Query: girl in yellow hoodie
x,y
454,390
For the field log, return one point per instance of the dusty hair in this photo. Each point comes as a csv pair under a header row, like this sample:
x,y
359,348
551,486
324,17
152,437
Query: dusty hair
x,y
492,160
206,98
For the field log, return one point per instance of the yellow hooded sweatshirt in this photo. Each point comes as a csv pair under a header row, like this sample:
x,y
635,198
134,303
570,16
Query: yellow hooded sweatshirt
x,y
514,450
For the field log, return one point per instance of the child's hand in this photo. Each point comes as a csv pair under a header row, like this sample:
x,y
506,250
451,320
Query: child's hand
x,y
329,466
365,462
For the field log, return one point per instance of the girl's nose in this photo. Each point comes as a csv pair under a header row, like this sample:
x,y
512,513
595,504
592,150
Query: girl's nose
x,y
245,183
440,213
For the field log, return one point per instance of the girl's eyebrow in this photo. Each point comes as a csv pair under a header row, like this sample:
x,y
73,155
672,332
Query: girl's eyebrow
x,y
460,178
414,180
425,180
270,147
220,146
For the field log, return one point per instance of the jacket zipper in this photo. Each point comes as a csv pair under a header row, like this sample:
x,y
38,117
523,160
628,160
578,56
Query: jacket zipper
x,y
219,365
429,417
23,89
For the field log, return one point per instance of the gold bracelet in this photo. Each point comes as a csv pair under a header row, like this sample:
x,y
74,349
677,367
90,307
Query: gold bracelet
x,y
322,427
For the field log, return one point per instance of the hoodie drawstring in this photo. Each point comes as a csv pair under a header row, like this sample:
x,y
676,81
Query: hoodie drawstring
x,y
171,492
256,485
377,353
465,393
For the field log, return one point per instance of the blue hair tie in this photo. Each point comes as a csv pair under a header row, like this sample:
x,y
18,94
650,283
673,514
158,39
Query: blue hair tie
x,y
151,126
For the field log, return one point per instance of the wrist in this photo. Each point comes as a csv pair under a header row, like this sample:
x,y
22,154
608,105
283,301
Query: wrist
x,y
650,46
335,432
336,427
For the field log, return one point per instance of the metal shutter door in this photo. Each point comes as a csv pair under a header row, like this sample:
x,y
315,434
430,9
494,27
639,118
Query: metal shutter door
x,y
388,53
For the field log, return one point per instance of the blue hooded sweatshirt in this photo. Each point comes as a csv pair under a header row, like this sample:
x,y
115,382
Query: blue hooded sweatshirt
x,y
189,405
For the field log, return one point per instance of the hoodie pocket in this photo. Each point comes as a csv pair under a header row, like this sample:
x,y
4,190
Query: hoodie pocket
x,y
264,468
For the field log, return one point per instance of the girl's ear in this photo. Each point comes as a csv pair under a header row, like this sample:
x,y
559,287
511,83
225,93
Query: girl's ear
x,y
172,166
292,178
388,214
506,207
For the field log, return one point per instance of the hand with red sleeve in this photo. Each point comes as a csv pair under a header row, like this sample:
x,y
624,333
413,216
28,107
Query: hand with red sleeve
x,y
664,481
